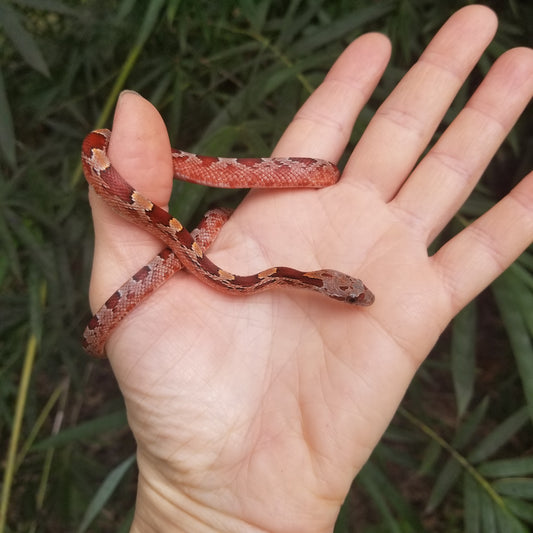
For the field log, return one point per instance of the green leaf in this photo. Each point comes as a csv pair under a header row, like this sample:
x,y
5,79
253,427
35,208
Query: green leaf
x,y
487,514
373,482
21,39
221,141
508,523
104,492
36,302
516,487
518,466
463,356
172,9
444,483
97,426
7,240
255,12
48,5
395,508
521,509
482,514
7,131
508,289
524,275
341,27
469,426
451,471
150,20
431,455
472,505
186,201
499,436
125,526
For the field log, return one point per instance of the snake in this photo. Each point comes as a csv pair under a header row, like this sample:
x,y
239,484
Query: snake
x,y
184,249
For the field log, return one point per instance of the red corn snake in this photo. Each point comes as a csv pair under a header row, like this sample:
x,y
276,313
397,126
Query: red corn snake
x,y
186,250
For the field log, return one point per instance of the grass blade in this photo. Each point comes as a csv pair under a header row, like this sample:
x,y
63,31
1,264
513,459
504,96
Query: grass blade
x,y
499,436
517,466
41,419
507,291
517,487
21,39
521,509
150,19
472,505
470,425
7,131
104,492
341,28
47,5
96,426
463,356
16,430
373,482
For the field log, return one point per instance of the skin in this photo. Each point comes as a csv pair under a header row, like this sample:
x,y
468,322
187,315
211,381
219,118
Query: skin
x,y
256,413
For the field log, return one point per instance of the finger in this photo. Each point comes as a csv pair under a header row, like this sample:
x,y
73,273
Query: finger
x,y
444,179
482,251
322,127
404,124
139,150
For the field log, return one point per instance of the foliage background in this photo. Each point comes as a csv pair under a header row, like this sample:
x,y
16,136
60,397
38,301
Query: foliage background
x,y
227,77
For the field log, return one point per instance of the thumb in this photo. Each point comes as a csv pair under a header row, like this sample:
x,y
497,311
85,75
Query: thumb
x,y
139,150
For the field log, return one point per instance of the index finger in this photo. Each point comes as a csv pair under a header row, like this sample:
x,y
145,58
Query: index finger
x,y
323,125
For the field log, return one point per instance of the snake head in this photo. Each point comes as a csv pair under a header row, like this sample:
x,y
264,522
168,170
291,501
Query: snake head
x,y
342,287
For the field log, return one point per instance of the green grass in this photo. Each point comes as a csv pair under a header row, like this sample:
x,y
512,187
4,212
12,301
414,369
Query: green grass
x,y
227,77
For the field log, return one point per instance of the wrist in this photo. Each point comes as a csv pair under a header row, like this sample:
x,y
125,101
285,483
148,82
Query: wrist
x,y
169,509
159,510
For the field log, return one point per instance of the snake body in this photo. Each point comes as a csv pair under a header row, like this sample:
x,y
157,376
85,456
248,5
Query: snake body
x,y
186,250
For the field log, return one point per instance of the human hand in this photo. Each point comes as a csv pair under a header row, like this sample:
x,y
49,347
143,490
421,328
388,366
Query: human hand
x,y
255,413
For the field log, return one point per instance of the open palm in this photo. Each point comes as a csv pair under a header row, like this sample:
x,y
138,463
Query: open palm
x,y
255,413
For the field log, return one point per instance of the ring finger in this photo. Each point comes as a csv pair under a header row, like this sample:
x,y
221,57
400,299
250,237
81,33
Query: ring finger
x,y
446,176
405,123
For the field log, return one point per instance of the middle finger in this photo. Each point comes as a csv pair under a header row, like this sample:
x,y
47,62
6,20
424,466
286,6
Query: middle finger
x,y
405,123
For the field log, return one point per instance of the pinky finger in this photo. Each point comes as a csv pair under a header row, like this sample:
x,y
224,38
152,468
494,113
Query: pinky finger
x,y
470,261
